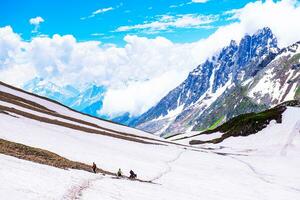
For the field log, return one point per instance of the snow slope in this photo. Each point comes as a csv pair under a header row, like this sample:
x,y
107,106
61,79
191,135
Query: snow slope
x,y
27,180
225,171
278,138
67,111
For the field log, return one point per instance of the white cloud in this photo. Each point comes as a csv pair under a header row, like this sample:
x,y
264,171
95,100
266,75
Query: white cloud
x,y
200,1
187,3
178,5
141,65
120,100
139,74
97,34
36,21
13,68
96,12
282,17
166,22
102,10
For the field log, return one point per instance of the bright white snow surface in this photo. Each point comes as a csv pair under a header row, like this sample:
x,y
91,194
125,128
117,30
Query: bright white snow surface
x,y
261,166
22,179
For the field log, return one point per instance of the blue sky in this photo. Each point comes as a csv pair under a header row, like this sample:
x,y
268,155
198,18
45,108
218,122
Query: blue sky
x,y
66,17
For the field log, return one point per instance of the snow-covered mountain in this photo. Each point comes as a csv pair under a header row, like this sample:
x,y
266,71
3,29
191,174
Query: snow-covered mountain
x,y
243,77
46,152
50,90
88,99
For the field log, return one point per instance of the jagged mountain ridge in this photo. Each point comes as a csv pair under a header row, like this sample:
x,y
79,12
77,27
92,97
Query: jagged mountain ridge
x,y
220,88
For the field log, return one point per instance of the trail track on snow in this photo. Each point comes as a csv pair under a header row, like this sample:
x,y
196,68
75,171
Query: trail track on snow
x,y
292,135
263,177
75,192
168,166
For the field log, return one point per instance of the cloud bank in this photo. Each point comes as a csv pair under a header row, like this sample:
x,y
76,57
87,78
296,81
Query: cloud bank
x,y
139,74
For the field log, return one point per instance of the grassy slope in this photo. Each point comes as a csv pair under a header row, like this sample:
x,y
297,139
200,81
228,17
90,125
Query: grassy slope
x,y
232,103
247,124
297,94
216,123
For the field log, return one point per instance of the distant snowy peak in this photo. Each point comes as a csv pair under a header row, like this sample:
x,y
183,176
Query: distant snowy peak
x,y
88,98
48,89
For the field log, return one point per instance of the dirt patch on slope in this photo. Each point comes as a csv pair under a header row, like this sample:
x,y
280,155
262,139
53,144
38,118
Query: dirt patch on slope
x,y
71,126
42,156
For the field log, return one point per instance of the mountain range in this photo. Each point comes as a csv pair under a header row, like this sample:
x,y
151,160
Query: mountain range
x,y
249,76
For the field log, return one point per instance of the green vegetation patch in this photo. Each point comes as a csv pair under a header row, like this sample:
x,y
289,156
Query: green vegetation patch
x,y
297,94
216,123
247,124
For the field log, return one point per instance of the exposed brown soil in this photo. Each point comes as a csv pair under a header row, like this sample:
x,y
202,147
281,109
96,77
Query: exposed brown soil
x,y
69,125
42,156
45,157
9,98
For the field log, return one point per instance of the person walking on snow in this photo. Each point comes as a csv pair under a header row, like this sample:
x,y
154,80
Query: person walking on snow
x,y
94,167
132,175
119,173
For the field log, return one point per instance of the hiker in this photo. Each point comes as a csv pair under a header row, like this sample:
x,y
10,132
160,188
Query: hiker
x,y
94,167
119,173
132,175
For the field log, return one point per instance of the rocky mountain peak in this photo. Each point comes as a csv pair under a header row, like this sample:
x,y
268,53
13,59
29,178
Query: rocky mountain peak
x,y
233,64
